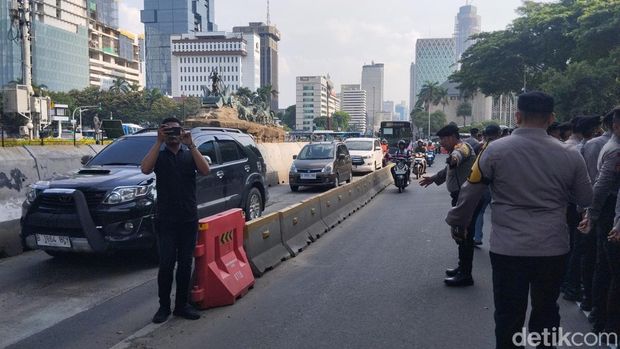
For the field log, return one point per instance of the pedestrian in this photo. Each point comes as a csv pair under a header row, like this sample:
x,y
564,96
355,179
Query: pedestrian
x,y
175,160
584,128
591,151
531,176
600,217
554,130
459,163
491,133
473,139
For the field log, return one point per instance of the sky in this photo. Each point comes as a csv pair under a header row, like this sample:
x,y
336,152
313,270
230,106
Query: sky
x,y
337,37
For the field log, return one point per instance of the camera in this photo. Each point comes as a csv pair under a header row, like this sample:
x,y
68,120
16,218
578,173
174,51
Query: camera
x,y
173,131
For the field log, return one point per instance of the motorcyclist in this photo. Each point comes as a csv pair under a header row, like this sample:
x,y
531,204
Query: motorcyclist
x,y
385,149
420,148
402,153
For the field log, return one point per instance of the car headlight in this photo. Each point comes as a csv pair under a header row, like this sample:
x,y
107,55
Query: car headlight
x,y
327,169
293,168
36,189
125,194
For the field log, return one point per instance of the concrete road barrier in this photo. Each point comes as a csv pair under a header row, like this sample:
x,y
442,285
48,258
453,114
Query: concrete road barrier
x,y
334,203
300,224
52,161
263,243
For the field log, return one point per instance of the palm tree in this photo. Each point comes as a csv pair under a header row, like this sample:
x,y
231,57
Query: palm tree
x,y
120,86
427,97
442,98
464,110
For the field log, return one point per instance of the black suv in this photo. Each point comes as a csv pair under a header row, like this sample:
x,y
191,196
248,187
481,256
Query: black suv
x,y
109,204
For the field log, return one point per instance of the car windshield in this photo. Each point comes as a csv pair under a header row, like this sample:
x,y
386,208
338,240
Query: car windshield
x,y
317,151
124,151
359,145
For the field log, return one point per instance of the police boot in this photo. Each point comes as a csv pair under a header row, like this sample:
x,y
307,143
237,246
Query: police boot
x,y
459,280
452,272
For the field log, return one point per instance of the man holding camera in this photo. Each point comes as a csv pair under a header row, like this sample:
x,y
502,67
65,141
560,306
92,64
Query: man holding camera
x,y
175,167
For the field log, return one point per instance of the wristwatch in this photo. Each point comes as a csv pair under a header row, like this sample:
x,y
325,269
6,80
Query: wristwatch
x,y
191,146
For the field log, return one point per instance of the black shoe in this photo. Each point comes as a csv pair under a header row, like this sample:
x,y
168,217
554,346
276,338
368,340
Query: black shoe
x,y
186,312
161,315
459,280
586,304
452,272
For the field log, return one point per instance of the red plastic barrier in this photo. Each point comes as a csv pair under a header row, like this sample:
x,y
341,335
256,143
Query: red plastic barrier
x,y
223,272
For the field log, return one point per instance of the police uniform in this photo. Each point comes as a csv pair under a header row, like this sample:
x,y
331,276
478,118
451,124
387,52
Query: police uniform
x,y
531,176
454,177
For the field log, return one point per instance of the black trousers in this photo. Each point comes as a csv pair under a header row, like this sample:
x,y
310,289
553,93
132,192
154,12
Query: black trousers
x,y
466,247
176,241
514,278
573,271
606,290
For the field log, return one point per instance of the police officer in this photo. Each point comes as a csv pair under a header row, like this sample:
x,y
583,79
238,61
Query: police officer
x,y
491,133
601,217
590,151
531,176
459,163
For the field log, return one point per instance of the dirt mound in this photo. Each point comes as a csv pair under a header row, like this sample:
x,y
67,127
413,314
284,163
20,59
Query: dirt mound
x,y
229,117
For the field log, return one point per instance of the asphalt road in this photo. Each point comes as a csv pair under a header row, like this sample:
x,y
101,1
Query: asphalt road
x,y
375,281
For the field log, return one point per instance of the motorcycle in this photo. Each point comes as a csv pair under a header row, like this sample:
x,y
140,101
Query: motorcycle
x,y
430,158
400,174
419,165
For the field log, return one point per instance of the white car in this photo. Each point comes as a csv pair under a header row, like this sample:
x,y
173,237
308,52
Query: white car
x,y
366,154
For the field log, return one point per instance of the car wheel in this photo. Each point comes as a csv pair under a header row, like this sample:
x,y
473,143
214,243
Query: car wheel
x,y
337,181
295,188
253,205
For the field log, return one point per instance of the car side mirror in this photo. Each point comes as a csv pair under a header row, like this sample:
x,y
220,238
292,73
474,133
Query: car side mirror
x,y
341,157
85,159
377,148
208,158
294,157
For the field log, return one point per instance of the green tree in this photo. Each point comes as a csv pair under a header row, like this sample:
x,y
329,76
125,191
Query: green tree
x,y
289,116
320,123
429,94
340,121
120,85
419,118
464,110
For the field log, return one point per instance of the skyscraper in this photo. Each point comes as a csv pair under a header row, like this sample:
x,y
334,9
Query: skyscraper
x,y
467,23
161,20
313,95
388,107
400,112
412,96
372,83
353,101
435,61
104,12
269,38
59,45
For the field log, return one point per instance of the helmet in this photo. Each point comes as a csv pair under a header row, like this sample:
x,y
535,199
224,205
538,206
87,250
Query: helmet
x,y
384,141
402,143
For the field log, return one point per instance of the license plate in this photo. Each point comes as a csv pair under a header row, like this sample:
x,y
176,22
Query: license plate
x,y
53,241
308,176
400,172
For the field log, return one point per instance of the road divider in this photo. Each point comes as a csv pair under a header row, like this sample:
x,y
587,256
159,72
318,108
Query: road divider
x,y
263,243
301,224
223,273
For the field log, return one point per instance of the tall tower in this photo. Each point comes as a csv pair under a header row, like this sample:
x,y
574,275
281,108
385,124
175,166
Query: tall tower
x,y
467,23
434,62
269,38
161,20
372,83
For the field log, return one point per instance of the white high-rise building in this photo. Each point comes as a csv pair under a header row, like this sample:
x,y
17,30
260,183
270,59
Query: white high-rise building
x,y
435,62
353,101
372,83
316,97
235,57
467,23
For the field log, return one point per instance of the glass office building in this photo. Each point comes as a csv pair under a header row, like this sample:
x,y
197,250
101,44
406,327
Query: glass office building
x,y
10,55
104,11
163,18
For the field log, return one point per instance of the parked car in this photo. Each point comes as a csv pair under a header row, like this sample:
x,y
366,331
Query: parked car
x,y
366,154
109,204
321,164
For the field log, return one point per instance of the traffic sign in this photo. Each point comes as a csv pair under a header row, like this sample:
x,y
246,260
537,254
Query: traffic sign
x,y
60,118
